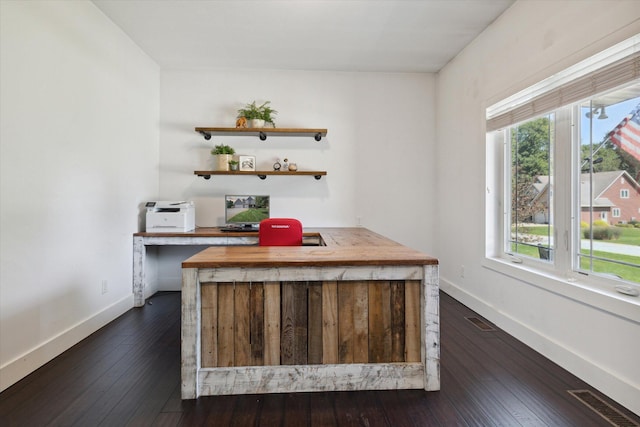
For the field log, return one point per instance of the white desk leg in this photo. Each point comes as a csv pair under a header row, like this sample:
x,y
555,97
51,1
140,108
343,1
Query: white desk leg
x,y
139,257
430,303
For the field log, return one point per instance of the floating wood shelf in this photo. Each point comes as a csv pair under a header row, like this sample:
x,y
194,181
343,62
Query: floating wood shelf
x,y
260,174
262,132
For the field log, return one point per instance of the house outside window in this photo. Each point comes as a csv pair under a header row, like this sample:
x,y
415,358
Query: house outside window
x,y
563,173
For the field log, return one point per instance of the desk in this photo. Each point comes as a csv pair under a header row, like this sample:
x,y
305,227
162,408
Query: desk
x,y
206,236
360,313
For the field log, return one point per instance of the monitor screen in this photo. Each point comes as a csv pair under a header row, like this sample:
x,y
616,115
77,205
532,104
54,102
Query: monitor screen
x,y
245,210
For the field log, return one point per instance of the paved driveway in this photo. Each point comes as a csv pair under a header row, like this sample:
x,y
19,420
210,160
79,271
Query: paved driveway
x,y
615,248
599,245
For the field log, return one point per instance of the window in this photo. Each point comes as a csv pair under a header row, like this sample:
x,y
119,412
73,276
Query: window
x,y
530,221
604,248
566,150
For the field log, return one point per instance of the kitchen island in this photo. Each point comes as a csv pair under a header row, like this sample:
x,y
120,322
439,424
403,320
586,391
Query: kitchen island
x,y
356,312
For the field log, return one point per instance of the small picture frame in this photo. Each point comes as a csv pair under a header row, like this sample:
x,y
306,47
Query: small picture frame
x,y
247,163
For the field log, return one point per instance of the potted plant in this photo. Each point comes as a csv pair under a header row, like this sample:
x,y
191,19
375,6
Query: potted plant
x,y
268,113
258,115
233,165
223,154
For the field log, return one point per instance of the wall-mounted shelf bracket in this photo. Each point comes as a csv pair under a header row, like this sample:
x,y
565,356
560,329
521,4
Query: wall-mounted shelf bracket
x,y
207,135
261,174
261,133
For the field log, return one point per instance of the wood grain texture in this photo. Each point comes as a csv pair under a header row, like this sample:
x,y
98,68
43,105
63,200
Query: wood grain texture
x,y
329,322
360,321
315,323
412,346
290,274
488,378
430,312
189,334
277,379
397,321
379,322
345,324
226,329
301,318
209,324
333,238
242,315
267,131
299,172
287,337
272,325
376,331
368,319
344,246
304,256
373,328
257,323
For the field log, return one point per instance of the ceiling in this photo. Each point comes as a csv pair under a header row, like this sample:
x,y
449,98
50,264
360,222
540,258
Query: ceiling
x,y
335,35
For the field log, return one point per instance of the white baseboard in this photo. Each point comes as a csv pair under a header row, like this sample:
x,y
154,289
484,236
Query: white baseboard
x,y
14,371
611,385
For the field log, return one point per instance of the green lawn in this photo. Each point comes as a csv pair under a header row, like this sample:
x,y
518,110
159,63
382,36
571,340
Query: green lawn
x,y
630,273
251,215
628,236
626,272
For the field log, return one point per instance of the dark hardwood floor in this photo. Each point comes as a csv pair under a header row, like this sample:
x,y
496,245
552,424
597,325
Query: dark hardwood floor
x,y
128,373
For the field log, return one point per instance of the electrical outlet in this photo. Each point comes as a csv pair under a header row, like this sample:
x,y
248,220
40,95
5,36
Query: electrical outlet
x,y
462,271
359,221
105,287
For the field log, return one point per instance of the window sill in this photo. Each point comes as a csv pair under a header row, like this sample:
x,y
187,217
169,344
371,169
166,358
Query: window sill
x,y
602,296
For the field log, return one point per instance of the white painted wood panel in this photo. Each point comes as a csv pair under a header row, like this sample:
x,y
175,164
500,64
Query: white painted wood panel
x,y
309,378
342,273
431,324
190,333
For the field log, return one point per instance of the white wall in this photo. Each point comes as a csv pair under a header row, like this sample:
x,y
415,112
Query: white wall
x,y
81,148
377,153
79,153
529,42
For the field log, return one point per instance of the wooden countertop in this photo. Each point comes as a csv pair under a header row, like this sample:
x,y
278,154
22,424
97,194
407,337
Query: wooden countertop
x,y
344,246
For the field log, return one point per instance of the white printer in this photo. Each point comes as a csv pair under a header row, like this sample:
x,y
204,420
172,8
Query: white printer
x,y
170,217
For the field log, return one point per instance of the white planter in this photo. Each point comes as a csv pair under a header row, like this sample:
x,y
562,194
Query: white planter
x,y
221,161
256,123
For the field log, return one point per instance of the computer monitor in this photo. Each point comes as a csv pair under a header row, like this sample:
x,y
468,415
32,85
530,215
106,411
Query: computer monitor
x,y
245,211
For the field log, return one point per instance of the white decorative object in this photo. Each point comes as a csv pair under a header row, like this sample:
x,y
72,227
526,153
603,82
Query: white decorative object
x,y
247,163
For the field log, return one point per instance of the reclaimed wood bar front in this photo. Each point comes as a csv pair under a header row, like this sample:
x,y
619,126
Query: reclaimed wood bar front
x,y
359,312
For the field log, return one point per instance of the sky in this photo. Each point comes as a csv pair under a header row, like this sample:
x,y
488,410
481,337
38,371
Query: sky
x,y
601,127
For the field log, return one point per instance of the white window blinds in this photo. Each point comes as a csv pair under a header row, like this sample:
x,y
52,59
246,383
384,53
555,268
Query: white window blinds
x,y
608,70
